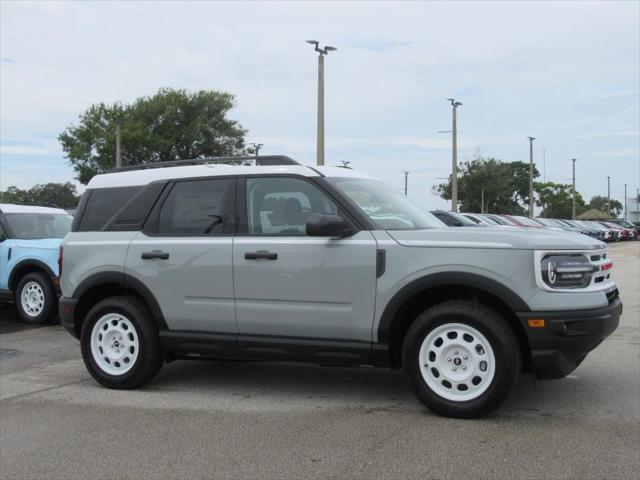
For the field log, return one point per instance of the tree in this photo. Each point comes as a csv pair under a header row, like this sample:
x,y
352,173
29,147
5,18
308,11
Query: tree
x,y
556,200
61,195
505,184
599,202
170,125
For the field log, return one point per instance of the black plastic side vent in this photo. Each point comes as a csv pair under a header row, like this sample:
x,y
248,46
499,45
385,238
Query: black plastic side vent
x,y
381,262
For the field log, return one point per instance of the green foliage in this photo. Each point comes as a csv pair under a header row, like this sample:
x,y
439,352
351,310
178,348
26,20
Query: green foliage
x,y
170,125
556,200
599,202
505,184
61,195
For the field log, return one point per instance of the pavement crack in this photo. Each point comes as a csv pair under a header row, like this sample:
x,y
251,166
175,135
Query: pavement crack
x,y
46,389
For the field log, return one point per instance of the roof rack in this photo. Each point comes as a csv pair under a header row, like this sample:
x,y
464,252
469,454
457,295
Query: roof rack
x,y
262,160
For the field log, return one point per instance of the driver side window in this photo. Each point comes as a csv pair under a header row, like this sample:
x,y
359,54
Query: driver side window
x,y
281,206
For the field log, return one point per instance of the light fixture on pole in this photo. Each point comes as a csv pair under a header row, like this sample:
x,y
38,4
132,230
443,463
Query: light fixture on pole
x,y
321,53
531,139
256,148
454,155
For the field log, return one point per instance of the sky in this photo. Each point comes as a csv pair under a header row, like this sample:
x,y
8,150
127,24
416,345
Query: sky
x,y
567,73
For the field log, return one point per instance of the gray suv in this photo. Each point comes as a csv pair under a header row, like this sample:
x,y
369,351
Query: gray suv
x,y
267,259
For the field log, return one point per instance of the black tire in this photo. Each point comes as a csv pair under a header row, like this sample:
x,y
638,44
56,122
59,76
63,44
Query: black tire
x,y
149,357
501,339
48,297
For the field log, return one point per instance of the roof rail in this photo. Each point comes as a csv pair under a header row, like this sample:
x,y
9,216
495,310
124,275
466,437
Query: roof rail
x,y
263,160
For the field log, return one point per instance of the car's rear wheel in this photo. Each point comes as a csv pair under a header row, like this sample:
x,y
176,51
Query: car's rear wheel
x,y
119,343
35,298
461,359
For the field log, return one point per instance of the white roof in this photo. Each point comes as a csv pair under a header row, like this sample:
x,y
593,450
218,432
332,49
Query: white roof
x,y
12,208
132,178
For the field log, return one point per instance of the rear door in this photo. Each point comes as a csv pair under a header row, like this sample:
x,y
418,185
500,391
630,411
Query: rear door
x,y
184,255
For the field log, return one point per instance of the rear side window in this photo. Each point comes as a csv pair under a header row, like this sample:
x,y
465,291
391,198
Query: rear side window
x,y
196,207
102,204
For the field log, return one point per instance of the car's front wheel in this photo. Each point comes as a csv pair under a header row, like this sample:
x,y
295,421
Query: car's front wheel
x,y
461,359
119,343
35,298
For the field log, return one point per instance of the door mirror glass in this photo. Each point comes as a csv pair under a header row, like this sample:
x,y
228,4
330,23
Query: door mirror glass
x,y
323,225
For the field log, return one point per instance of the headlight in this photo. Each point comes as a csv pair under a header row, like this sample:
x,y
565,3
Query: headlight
x,y
566,270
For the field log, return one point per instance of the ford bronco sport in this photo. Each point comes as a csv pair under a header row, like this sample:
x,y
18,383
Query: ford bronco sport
x,y
30,238
279,261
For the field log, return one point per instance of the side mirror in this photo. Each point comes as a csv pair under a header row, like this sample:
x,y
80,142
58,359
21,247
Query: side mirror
x,y
321,225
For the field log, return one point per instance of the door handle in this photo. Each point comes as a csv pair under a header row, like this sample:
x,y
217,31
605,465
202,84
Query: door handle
x,y
261,255
155,254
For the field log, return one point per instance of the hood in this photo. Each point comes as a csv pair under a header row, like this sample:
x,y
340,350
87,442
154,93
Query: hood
x,y
522,239
41,243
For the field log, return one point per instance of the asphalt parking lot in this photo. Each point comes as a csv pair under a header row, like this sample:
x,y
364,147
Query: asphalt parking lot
x,y
278,420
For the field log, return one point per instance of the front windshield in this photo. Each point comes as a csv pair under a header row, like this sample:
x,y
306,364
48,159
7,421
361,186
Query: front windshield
x,y
34,226
387,209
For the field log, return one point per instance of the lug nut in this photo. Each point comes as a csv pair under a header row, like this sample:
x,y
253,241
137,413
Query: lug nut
x,y
456,352
454,368
464,367
449,359
466,357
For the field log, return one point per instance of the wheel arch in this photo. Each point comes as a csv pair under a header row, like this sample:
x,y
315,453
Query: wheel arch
x,y
26,266
430,290
107,284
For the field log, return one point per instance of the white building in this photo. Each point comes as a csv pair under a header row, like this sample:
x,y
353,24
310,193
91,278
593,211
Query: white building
x,y
633,209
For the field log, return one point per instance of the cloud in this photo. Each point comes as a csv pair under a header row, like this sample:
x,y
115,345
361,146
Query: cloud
x,y
564,72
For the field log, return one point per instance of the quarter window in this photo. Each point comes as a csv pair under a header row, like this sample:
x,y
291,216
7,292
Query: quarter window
x,y
281,206
195,208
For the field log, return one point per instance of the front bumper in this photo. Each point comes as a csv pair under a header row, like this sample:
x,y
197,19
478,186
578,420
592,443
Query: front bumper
x,y
66,309
567,337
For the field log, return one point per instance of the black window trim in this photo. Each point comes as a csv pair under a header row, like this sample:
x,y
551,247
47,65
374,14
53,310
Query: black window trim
x,y
152,223
345,206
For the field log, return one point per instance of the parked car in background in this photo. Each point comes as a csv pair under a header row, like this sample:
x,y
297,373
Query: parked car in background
x,y
585,230
595,230
500,220
479,219
626,233
523,221
629,225
616,234
554,224
453,219
30,238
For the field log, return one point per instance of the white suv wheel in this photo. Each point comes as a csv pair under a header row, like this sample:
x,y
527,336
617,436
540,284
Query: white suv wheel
x,y
114,344
32,299
457,362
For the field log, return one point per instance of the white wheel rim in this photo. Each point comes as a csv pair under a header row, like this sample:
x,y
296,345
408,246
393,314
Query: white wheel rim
x,y
32,299
457,362
114,344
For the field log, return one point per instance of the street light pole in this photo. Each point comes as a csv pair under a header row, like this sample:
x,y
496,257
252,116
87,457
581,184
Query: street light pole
x,y
482,200
608,196
573,191
531,139
406,175
321,53
625,201
454,155
118,150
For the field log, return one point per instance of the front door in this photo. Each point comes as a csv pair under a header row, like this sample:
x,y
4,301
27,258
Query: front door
x,y
288,284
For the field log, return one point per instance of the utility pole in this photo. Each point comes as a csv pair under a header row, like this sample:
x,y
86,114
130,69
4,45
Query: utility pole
x,y
454,156
118,152
531,139
256,148
406,175
482,200
608,196
321,53
544,165
625,201
573,191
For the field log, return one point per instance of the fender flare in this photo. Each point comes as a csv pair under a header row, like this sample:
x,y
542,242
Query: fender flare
x,y
30,262
125,281
457,279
